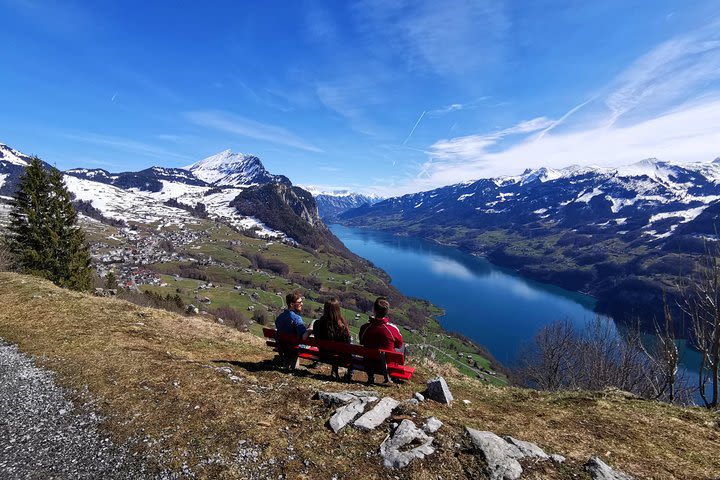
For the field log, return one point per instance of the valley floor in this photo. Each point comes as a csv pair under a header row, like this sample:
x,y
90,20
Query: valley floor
x,y
204,399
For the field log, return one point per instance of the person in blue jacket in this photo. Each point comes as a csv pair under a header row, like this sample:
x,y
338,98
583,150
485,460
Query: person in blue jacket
x,y
290,322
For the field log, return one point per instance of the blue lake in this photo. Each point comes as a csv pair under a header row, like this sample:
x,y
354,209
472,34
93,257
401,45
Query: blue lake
x,y
494,307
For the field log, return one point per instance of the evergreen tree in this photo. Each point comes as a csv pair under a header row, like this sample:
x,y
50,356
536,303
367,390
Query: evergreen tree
x,y
110,280
44,235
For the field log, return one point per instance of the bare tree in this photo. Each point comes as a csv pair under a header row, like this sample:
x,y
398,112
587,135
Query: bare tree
x,y
701,303
597,357
664,357
549,363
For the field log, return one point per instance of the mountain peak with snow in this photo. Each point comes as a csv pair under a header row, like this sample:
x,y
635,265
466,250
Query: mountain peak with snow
x,y
12,156
236,169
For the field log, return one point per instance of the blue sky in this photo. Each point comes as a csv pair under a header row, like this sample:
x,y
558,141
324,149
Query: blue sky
x,y
372,95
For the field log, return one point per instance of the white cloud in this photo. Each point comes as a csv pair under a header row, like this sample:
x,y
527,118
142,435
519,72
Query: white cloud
x,y
666,104
245,127
688,134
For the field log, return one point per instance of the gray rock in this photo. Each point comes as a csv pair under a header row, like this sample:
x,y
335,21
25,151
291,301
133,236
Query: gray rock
x,y
378,414
341,398
406,434
411,401
600,470
432,425
438,390
557,458
500,456
527,449
346,414
419,396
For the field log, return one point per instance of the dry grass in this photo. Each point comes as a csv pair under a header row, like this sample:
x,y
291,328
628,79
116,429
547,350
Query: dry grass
x,y
154,376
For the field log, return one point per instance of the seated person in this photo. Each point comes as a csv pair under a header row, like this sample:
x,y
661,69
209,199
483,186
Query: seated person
x,y
380,333
290,322
332,326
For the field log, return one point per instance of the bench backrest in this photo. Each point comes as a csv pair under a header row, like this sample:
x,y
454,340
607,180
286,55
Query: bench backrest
x,y
336,347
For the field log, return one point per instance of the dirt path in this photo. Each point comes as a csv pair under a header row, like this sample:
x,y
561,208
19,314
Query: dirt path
x,y
44,435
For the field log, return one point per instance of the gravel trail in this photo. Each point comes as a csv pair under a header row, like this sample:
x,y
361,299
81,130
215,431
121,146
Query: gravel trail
x,y
43,435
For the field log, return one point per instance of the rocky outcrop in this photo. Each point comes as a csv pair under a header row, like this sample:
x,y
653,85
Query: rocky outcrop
x,y
500,456
393,448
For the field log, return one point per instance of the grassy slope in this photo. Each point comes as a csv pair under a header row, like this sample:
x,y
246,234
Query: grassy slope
x,y
153,375
228,246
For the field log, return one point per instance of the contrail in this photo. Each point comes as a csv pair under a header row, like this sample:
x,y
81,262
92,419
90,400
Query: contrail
x,y
113,97
413,129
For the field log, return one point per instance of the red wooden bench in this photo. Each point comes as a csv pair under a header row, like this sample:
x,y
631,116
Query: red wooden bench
x,y
390,364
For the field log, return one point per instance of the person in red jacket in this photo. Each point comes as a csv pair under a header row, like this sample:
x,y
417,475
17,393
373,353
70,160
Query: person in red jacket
x,y
380,333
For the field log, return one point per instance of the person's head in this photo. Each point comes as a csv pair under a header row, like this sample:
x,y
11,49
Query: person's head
x,y
333,314
381,307
294,301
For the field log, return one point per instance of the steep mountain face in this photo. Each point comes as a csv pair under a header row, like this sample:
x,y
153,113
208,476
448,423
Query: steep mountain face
x,y
234,169
624,234
287,208
330,205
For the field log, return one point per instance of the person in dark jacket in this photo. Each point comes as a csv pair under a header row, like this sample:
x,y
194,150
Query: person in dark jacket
x,y
332,326
290,322
380,333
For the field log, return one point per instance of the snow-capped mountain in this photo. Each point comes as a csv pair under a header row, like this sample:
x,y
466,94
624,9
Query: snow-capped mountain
x,y
233,169
650,196
335,202
149,180
12,165
165,196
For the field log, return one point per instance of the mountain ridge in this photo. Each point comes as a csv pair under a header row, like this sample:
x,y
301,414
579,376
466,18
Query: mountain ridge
x,y
625,235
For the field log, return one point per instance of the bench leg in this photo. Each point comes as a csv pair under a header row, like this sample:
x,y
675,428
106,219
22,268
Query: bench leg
x,y
384,367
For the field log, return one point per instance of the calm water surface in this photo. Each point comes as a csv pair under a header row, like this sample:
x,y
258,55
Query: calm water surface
x,y
492,306
495,307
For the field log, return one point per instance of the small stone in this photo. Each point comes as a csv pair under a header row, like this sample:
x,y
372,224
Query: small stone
x,y
432,425
467,402
438,390
557,458
419,396
600,470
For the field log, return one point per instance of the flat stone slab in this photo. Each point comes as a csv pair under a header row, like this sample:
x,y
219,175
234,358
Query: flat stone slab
x,y
378,414
437,389
500,456
600,470
341,398
406,434
346,414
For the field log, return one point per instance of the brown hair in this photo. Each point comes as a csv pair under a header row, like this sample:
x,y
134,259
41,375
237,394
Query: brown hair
x,y
291,298
381,307
333,317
